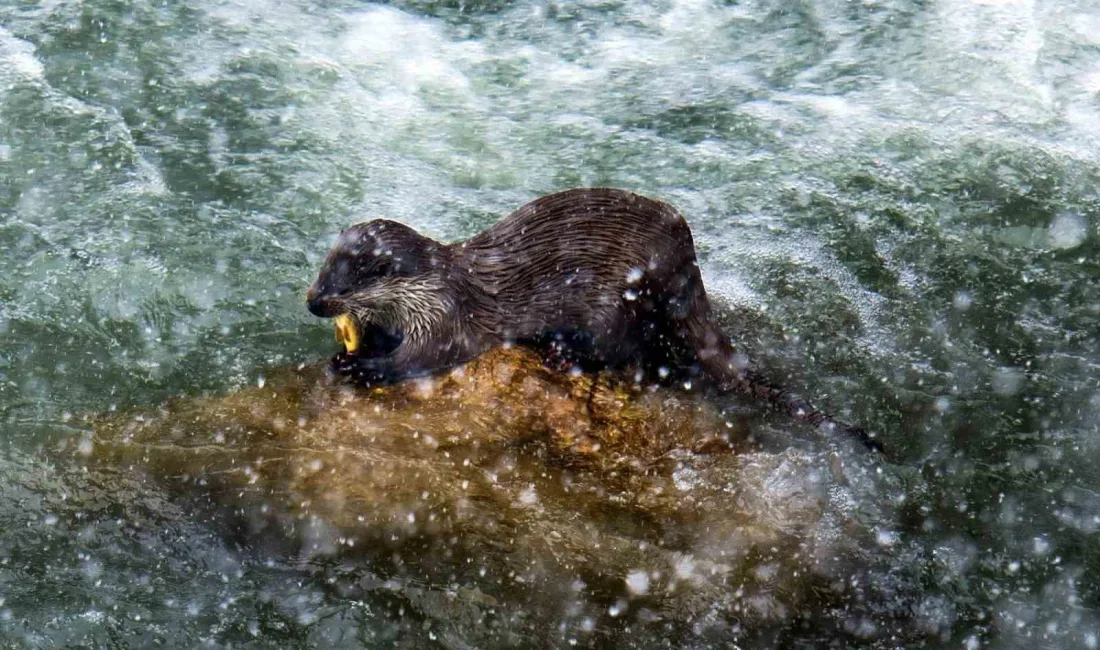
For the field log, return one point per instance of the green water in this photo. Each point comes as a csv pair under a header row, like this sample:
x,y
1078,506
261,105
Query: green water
x,y
894,202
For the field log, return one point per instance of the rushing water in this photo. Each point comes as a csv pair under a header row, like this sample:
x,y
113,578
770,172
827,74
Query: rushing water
x,y
895,204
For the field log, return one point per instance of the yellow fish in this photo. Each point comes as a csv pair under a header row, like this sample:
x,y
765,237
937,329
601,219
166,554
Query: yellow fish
x,y
346,332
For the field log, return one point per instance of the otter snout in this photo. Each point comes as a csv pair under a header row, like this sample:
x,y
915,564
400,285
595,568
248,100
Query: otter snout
x,y
323,304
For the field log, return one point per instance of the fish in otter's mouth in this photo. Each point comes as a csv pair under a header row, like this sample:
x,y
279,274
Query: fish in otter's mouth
x,y
347,333
364,338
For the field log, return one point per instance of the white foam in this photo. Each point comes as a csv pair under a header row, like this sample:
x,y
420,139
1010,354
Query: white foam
x,y
405,52
17,60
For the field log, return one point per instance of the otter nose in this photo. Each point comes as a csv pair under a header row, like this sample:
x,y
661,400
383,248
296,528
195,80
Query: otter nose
x,y
321,307
322,304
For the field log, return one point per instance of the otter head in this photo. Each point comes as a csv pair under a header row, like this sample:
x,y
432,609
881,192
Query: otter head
x,y
377,274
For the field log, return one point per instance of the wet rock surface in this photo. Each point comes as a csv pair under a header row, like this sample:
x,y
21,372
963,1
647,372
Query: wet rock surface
x,y
504,498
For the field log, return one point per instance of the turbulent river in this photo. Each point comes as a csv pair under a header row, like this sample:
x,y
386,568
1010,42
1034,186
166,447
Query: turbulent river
x,y
896,209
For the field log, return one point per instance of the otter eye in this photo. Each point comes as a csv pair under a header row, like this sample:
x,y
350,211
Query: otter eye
x,y
373,267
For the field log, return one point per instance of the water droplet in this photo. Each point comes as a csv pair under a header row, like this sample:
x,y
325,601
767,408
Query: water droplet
x,y
1007,381
962,300
685,567
528,496
637,582
1067,230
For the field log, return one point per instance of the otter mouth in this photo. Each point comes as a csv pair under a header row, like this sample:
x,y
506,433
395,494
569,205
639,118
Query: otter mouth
x,y
365,339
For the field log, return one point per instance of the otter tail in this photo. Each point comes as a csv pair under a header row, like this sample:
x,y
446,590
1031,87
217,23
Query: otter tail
x,y
716,356
749,383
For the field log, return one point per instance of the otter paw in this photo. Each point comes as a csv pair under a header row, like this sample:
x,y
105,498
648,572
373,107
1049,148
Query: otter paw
x,y
364,370
556,360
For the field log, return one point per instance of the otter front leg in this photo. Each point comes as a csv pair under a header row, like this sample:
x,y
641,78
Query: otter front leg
x,y
366,370
410,359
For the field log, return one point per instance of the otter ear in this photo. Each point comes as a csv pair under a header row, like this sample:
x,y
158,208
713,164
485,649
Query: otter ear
x,y
349,239
358,240
371,264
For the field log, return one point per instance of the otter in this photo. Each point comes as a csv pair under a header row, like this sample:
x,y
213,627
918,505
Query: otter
x,y
595,278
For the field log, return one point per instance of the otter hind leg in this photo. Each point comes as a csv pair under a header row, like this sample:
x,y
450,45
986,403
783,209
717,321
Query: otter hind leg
x,y
664,355
566,349
687,333
714,353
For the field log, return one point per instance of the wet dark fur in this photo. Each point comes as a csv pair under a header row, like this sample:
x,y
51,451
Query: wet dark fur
x,y
598,277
